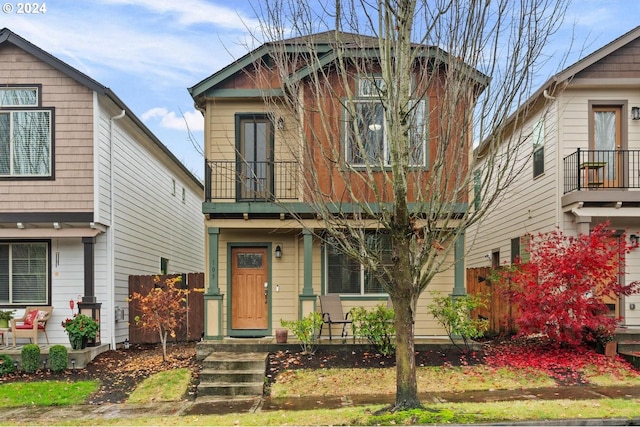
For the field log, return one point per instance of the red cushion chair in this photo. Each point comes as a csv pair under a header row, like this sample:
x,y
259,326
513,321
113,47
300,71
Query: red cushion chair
x,y
34,321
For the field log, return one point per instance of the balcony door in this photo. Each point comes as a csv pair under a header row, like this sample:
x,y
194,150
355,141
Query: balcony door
x,y
254,134
607,144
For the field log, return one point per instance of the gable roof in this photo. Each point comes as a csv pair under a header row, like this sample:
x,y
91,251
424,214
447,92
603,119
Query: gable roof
x,y
324,46
564,76
9,37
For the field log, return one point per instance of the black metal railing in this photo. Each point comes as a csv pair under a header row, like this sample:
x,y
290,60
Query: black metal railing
x,y
251,181
599,169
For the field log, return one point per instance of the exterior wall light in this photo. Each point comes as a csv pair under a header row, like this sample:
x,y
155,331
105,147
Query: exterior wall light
x,y
278,251
635,113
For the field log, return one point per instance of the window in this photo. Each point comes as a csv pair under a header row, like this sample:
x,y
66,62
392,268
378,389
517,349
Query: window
x,y
164,266
519,249
25,134
24,274
538,148
366,140
173,186
184,195
345,275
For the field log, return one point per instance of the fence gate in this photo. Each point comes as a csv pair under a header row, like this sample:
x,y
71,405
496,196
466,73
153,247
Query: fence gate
x,y
499,311
193,328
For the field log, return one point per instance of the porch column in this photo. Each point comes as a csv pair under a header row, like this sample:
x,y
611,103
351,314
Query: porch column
x,y
212,296
307,300
89,270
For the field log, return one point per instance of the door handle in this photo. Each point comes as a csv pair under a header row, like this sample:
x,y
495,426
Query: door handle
x,y
266,292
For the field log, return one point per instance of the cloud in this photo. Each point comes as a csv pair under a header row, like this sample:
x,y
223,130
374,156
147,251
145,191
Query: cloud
x,y
192,12
171,120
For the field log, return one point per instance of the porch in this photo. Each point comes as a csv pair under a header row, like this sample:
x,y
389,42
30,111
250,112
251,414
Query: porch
x,y
78,359
588,170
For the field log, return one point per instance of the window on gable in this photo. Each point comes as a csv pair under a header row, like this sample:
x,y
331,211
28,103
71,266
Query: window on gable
x,y
24,275
25,134
538,148
366,139
345,275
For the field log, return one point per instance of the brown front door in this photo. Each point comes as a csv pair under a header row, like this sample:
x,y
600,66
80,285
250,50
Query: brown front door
x,y
249,300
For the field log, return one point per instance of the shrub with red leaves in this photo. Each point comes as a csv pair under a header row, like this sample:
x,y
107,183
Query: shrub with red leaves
x,y
563,288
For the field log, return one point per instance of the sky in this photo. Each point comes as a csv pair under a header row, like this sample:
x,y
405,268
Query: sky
x,y
149,52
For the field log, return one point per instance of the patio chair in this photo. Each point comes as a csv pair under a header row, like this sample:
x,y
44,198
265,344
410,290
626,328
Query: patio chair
x,y
33,321
331,308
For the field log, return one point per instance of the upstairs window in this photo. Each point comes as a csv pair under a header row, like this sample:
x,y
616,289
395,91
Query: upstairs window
x,y
366,139
538,148
25,134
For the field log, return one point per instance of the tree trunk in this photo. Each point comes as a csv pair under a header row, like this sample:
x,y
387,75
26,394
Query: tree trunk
x,y
406,383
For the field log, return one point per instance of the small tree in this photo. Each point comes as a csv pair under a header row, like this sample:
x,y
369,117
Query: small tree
x,y
163,309
562,290
376,326
454,314
305,330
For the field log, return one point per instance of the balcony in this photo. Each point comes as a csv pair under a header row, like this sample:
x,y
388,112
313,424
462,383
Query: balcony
x,y
592,170
238,181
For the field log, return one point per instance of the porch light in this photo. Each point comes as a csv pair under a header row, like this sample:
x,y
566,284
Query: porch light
x,y
634,240
635,113
278,251
280,123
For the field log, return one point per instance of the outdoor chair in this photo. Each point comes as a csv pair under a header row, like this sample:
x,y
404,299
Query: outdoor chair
x,y
331,308
33,321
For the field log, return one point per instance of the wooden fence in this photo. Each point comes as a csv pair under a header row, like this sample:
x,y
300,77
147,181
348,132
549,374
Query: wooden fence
x,y
499,310
193,328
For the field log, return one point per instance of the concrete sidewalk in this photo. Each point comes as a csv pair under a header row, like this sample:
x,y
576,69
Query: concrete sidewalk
x,y
210,406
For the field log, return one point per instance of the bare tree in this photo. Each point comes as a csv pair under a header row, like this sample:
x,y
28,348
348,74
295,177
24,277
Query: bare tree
x,y
386,99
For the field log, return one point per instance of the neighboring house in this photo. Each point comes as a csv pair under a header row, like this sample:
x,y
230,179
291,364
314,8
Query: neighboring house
x,y
265,259
88,195
582,164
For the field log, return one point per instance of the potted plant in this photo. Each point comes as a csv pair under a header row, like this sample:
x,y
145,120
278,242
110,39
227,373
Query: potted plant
x,y
5,316
80,328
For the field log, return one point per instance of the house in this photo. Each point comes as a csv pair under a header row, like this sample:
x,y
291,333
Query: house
x,y
88,195
581,164
267,259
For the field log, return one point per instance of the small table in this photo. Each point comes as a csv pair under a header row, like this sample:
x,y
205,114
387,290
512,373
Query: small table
x,y
3,334
593,174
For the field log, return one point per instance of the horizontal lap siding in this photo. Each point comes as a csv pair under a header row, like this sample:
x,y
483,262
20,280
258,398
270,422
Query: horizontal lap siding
x,y
72,189
528,206
150,222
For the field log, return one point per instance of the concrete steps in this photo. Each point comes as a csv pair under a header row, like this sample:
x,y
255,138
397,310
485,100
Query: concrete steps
x,y
233,374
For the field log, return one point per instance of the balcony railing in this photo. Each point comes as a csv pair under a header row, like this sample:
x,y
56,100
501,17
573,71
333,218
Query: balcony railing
x,y
251,181
601,169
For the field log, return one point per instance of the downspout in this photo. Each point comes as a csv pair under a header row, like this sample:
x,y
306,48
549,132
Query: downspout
x,y
112,230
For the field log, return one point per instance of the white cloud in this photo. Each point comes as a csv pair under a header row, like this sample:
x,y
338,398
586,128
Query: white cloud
x,y
191,12
171,120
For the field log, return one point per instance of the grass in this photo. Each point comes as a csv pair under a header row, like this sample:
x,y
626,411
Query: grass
x,y
46,393
383,380
162,387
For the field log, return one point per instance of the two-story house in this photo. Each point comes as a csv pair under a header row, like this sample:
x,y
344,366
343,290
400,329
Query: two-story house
x,y
88,195
267,259
581,164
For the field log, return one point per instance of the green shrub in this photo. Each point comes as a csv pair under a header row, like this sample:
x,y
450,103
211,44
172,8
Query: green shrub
x,y
376,326
58,358
454,314
305,330
30,358
6,365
